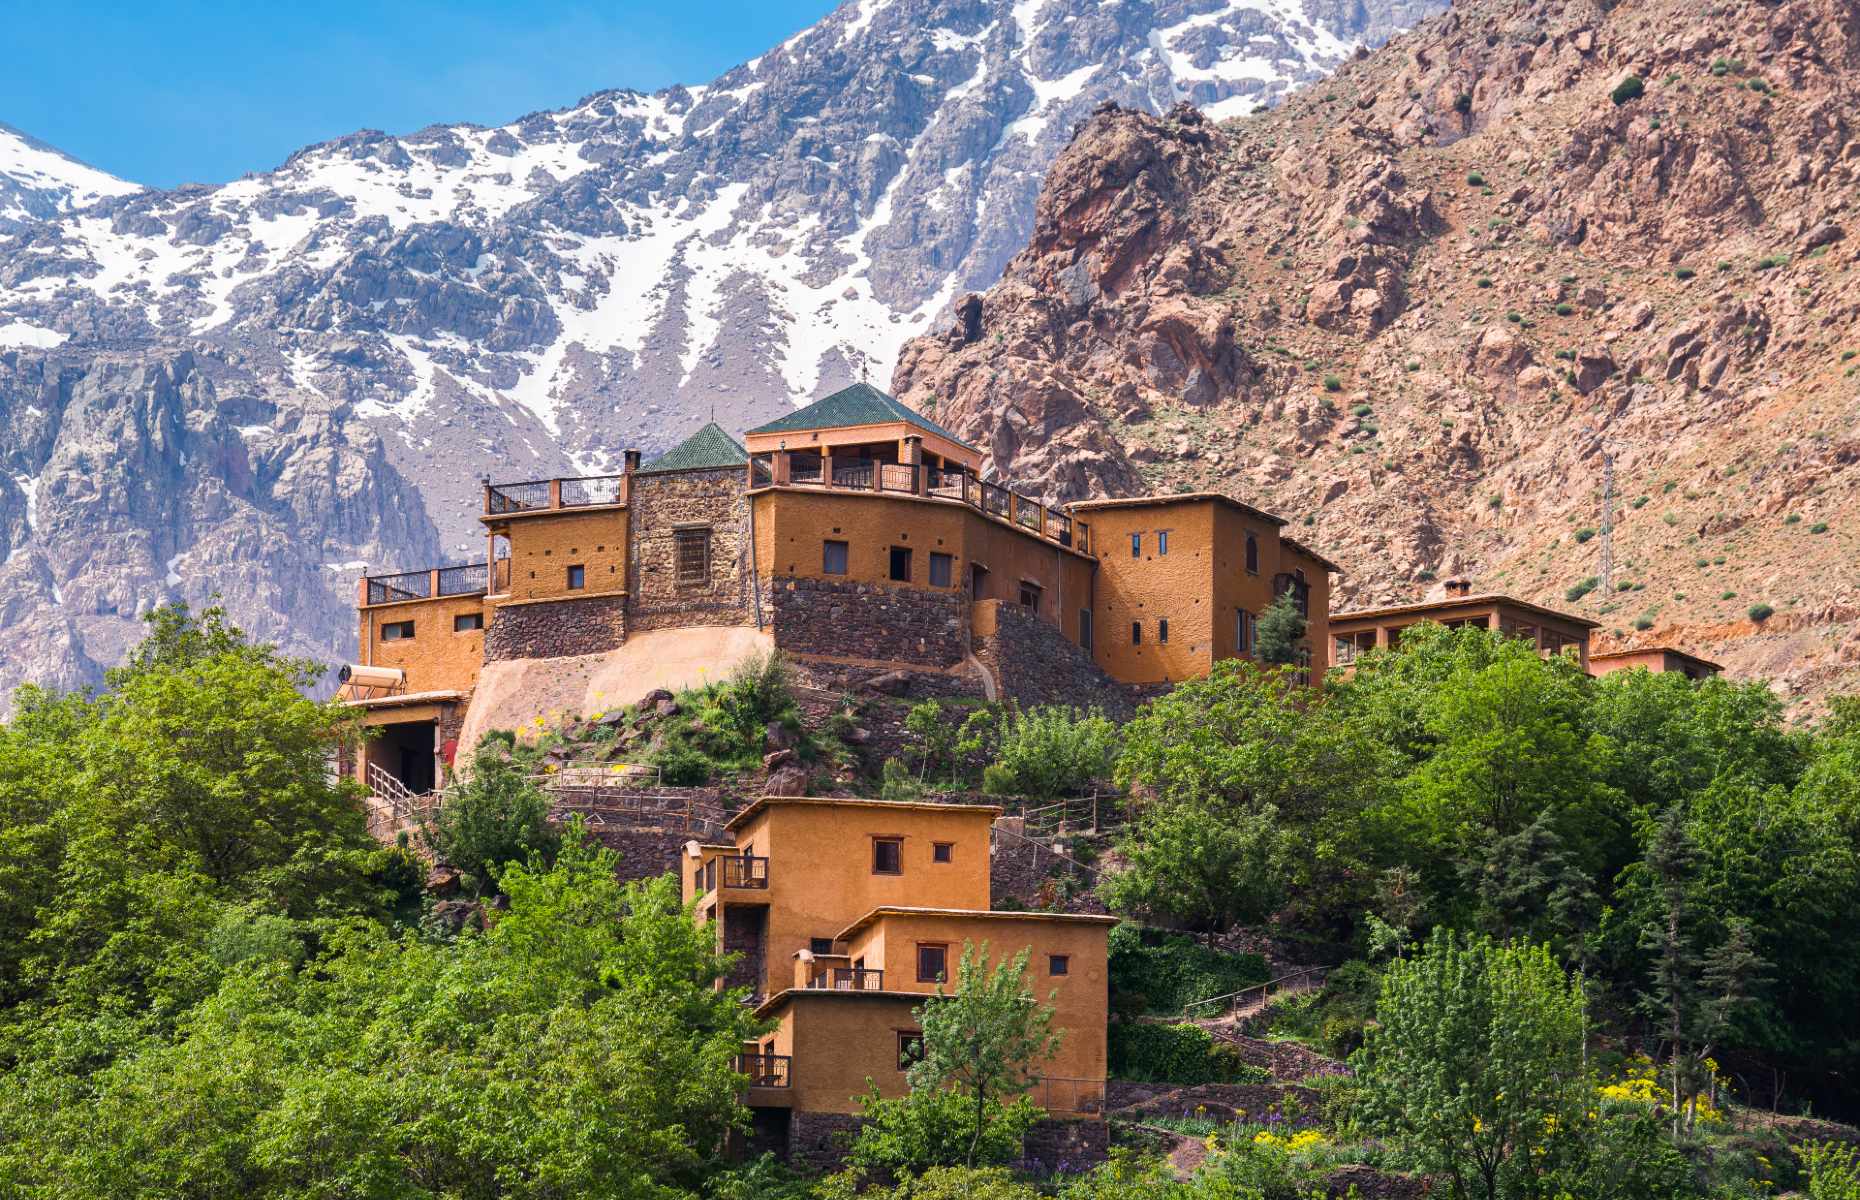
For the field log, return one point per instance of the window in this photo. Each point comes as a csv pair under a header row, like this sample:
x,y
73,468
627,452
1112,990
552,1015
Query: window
x,y
1162,541
1136,545
577,577
942,569
820,945
833,558
1030,596
910,1049
1252,555
1059,964
932,962
466,622
901,564
1085,628
397,631
1243,631
1294,585
942,852
1136,633
691,553
1162,629
888,856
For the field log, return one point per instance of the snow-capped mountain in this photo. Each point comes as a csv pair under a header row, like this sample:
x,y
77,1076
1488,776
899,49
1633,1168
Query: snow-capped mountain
x,y
38,181
254,389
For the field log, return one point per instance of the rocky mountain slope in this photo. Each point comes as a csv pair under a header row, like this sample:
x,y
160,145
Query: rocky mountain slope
x,y
38,182
1417,306
254,389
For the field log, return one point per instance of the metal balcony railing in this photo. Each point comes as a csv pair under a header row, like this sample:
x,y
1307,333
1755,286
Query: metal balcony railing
x,y
590,489
392,589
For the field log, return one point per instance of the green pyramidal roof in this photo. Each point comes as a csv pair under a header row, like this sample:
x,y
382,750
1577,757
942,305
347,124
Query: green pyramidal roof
x,y
860,404
708,447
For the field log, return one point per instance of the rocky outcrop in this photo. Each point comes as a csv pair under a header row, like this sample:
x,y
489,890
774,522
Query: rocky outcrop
x,y
1416,307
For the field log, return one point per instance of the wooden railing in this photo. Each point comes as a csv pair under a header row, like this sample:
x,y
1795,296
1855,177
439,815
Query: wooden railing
x,y
1309,979
787,468
733,870
849,979
766,1070
402,801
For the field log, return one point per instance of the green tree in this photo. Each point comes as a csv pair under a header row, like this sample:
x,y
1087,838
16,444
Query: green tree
x,y
1281,632
1475,1063
1209,868
988,1040
1051,750
934,735
497,816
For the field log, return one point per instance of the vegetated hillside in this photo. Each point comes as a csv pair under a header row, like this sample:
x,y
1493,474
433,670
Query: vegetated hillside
x,y
1411,306
260,389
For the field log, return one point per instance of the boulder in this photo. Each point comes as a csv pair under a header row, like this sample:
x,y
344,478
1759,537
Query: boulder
x,y
789,780
891,683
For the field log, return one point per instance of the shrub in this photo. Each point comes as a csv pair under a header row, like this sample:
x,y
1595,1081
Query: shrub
x,y
682,766
1050,751
1641,501
1759,612
1631,88
1772,261
1484,281
1362,410
1818,527
1792,519
1758,85
1514,317
1624,586
1833,1170
1154,1053
1683,273
1578,590
1728,596
1474,179
1462,104
1566,355
937,1128
1564,308
1158,972
1584,534
1332,383
1720,66
495,818
1643,622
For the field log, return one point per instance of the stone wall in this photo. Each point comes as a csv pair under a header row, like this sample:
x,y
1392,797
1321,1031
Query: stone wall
x,y
556,628
818,1142
870,621
1034,663
1068,1145
1023,873
662,503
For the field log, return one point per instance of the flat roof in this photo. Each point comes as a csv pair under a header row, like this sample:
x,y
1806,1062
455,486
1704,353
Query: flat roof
x,y
1177,498
765,802
1424,607
780,999
1673,650
906,910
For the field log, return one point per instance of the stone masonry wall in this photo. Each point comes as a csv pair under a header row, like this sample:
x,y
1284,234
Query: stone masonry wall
x,y
661,504
556,628
818,1142
1066,1145
870,621
1035,663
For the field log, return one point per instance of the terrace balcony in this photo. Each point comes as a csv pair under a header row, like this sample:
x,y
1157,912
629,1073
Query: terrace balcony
x,y
505,500
801,469
733,871
463,579
846,979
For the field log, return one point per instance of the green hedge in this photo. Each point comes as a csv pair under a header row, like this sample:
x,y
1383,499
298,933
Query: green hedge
x,y
1154,1053
1157,972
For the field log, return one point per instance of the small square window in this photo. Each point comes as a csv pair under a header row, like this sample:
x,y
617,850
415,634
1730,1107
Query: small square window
x,y
1136,633
467,622
1030,596
820,945
1136,545
1162,541
397,631
577,577
942,852
1162,630
901,564
932,962
1059,964
833,558
910,1049
942,569
887,856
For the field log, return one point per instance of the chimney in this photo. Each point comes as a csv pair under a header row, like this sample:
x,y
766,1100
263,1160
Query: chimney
x,y
1458,588
632,460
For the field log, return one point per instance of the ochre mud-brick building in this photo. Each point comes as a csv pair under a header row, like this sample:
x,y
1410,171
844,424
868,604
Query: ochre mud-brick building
x,y
845,915
853,532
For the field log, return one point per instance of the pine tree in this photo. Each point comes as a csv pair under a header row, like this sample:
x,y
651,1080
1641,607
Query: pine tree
x,y
1281,628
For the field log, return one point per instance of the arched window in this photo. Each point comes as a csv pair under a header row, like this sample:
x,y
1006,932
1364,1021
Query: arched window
x,y
1252,554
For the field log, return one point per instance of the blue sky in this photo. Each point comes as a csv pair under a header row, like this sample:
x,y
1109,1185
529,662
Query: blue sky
x,y
172,92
